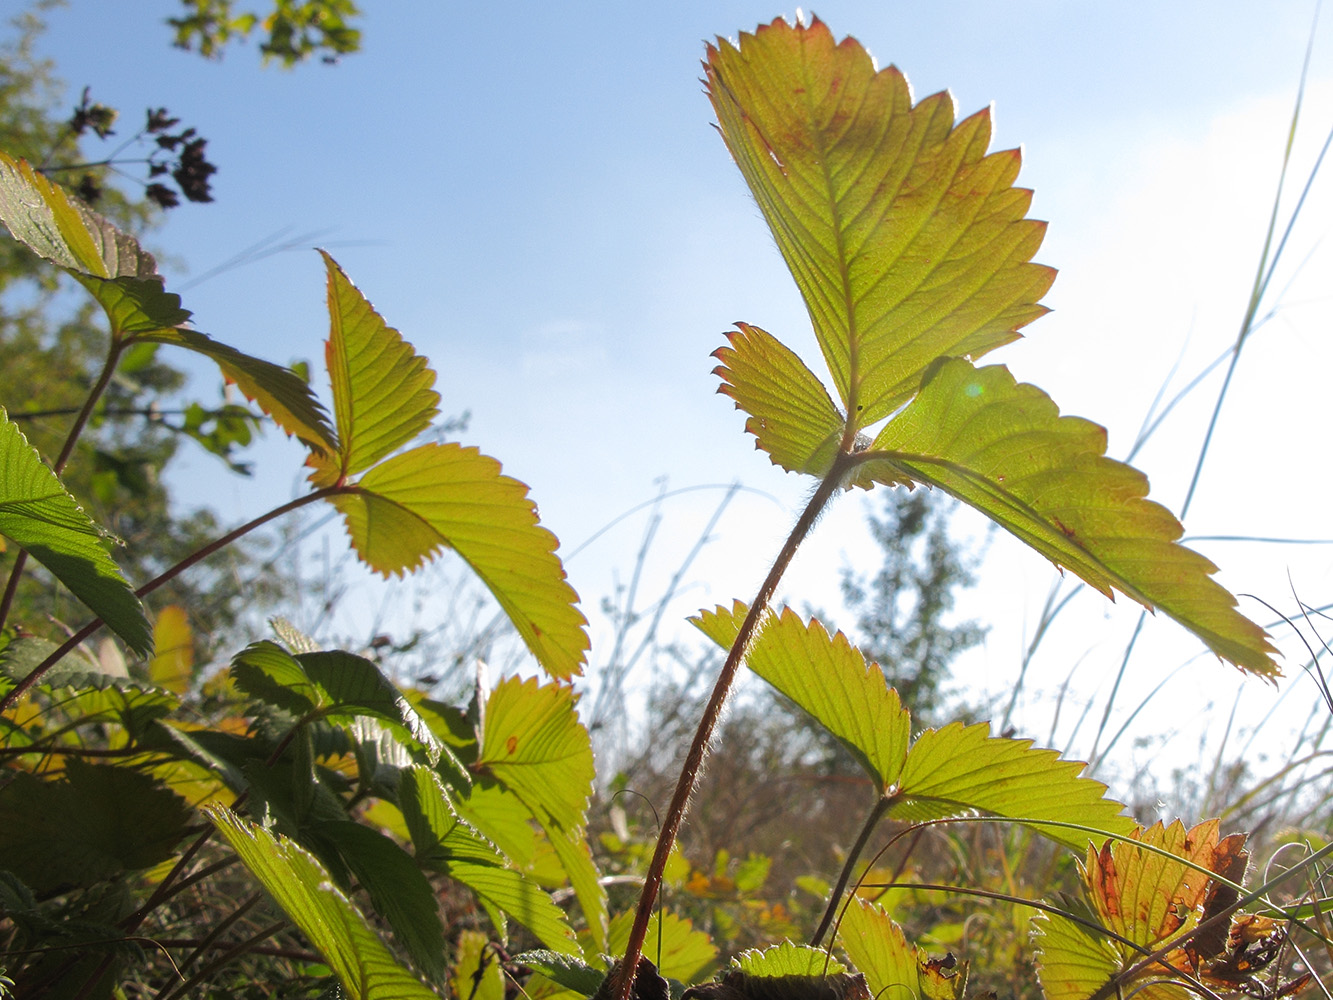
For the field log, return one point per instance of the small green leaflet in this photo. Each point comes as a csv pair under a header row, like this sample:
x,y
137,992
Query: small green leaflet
x,y
382,395
946,772
39,515
410,506
787,959
279,391
794,419
679,949
306,893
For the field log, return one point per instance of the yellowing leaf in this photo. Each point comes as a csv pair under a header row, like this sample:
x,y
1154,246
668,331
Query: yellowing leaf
x,y
906,239
1003,448
476,973
172,664
879,950
946,772
410,506
791,415
1073,962
382,395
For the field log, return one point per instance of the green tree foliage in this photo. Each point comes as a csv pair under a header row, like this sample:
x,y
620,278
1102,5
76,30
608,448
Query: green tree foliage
x,y
293,30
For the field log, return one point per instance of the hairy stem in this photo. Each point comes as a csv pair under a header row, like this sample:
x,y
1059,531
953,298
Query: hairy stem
x,y
167,577
854,855
689,773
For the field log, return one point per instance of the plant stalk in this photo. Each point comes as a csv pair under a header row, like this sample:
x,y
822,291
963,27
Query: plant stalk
x,y
854,855
689,774
167,577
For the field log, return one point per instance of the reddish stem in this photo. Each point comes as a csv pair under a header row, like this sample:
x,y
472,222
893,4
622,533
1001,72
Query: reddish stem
x,y
689,774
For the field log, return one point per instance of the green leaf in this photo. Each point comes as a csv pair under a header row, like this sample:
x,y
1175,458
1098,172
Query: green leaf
x,y
398,891
1072,962
787,959
121,275
519,897
39,515
279,391
266,671
354,686
412,505
1003,448
439,834
564,970
327,918
906,239
477,974
445,843
946,772
791,415
97,822
830,679
382,395
877,948
679,949
337,685
534,744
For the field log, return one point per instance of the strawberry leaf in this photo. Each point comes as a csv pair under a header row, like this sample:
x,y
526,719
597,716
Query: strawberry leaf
x,y
946,772
382,395
1004,449
906,239
410,506
40,516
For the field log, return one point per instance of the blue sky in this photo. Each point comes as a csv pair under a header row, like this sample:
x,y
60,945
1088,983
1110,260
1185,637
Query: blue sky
x,y
535,196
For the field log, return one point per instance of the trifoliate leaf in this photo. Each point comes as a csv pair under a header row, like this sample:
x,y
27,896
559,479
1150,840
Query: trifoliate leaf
x,y
946,772
328,919
38,514
382,395
1003,448
906,239
407,508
